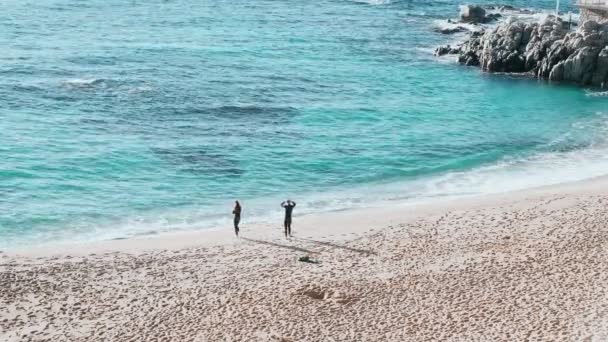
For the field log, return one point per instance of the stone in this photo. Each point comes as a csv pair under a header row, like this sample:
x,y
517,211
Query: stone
x,y
557,53
472,14
446,50
590,26
452,30
557,72
469,59
600,77
544,49
492,16
580,66
502,49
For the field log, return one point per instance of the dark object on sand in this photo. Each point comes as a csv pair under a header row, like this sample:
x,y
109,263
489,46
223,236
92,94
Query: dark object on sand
x,y
308,260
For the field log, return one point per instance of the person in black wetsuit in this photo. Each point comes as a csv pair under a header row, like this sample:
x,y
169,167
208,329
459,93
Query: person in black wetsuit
x,y
288,205
237,217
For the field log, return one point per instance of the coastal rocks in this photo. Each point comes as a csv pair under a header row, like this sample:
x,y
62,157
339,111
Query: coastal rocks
x,y
501,49
472,18
452,30
476,15
578,67
600,77
546,49
472,14
590,26
446,50
469,59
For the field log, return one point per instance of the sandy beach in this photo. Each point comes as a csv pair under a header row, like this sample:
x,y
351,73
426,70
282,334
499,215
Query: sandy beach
x,y
523,266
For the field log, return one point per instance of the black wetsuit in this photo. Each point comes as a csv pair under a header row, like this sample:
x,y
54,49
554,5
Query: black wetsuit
x,y
237,219
288,211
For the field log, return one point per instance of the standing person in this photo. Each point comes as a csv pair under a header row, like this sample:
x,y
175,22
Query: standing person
x,y
237,217
288,205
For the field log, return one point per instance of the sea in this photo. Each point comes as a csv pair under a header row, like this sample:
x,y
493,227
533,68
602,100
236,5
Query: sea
x,y
124,118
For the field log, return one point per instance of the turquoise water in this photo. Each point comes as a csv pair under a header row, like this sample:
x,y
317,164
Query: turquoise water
x,y
121,118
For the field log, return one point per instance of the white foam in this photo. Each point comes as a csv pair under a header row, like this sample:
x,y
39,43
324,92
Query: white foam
x,y
509,175
374,2
142,89
591,93
445,25
506,175
82,82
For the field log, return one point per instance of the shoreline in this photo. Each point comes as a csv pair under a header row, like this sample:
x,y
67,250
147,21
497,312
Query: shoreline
x,y
365,220
526,265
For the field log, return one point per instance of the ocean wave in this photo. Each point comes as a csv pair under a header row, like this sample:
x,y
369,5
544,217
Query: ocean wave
x,y
110,86
591,93
440,25
139,90
84,82
509,174
373,2
557,164
517,174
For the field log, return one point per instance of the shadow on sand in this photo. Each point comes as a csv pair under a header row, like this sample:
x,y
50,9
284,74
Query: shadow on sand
x,y
268,243
329,244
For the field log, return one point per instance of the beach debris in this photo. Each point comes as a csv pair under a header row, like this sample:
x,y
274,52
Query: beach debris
x,y
282,338
330,295
308,259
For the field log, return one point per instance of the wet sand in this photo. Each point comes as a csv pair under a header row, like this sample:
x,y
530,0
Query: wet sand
x,y
523,266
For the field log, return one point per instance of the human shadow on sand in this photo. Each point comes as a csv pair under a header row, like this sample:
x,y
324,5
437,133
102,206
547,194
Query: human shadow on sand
x,y
268,243
329,244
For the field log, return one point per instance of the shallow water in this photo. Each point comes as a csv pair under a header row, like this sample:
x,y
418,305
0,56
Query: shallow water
x,y
125,118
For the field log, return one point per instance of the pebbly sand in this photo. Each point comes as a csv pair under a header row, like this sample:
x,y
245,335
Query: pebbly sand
x,y
524,266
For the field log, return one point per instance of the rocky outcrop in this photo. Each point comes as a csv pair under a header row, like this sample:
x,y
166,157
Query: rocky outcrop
x,y
547,50
472,14
452,30
600,77
476,15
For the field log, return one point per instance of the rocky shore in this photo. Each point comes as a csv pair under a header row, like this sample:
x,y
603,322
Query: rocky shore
x,y
548,49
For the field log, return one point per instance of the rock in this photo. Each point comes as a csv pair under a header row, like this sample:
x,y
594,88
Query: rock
x,y
452,30
557,72
600,77
477,34
544,49
472,14
469,59
580,66
492,17
590,26
446,50
442,50
557,53
502,49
